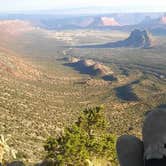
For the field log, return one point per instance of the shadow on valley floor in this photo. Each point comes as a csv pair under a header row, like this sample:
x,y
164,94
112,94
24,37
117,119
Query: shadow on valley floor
x,y
90,71
126,93
137,39
81,68
109,78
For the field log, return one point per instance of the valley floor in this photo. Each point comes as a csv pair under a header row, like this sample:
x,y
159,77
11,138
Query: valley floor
x,y
39,95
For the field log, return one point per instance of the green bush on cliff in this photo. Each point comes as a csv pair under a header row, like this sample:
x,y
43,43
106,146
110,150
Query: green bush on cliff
x,y
86,139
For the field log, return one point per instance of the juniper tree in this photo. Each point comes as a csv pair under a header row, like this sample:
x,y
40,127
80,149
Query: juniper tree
x,y
87,138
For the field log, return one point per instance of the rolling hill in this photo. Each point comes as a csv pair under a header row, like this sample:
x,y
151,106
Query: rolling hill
x,y
91,67
13,66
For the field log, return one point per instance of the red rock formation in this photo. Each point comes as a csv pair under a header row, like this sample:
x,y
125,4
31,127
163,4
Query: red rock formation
x,y
109,21
163,20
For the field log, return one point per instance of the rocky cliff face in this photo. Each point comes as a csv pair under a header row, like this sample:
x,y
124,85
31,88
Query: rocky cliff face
x,y
138,38
109,21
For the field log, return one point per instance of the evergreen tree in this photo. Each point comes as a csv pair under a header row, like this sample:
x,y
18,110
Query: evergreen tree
x,y
86,139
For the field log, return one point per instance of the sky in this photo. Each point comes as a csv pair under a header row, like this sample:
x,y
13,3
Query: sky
x,y
137,5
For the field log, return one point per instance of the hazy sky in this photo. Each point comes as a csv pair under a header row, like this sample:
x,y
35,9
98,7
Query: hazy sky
x,y
139,5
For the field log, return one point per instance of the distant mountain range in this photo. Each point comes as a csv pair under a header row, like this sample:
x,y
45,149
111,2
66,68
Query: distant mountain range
x,y
156,26
125,22
153,22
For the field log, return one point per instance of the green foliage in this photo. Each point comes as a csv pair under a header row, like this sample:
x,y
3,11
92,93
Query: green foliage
x,y
86,139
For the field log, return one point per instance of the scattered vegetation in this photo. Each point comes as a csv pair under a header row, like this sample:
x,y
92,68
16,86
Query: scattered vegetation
x,y
5,149
86,139
35,102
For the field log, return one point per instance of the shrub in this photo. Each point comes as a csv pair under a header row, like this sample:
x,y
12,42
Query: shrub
x,y
86,139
